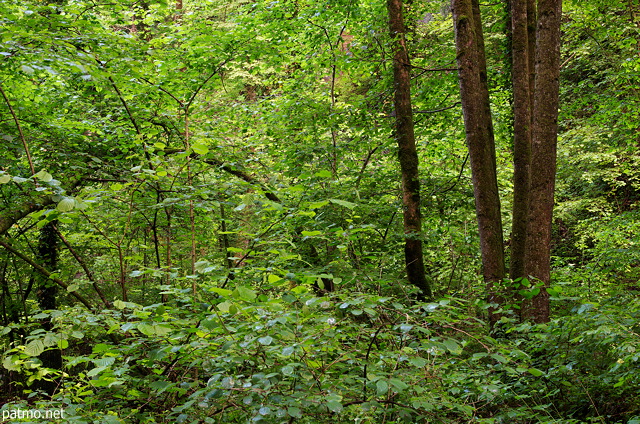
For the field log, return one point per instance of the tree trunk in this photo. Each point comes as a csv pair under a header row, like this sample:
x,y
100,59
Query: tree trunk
x,y
46,294
543,156
474,95
407,153
522,113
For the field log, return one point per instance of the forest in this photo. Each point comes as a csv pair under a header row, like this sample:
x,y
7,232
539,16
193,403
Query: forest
x,y
320,211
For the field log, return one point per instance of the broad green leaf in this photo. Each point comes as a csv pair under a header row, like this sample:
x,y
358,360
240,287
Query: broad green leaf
x,y
287,370
272,278
266,340
161,330
382,387
34,347
398,384
334,406
145,329
200,149
311,233
452,346
5,178
265,410
27,69
101,347
343,203
105,362
245,293
160,386
418,362
294,412
95,371
44,176
66,204
317,205
119,304
221,292
73,287
535,372
10,364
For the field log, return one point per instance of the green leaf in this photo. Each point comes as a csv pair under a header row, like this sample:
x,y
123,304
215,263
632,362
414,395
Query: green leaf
x,y
221,292
10,364
27,69
334,406
63,344
245,293
44,176
294,412
200,149
382,387
119,304
318,205
554,291
311,233
535,372
323,174
101,347
266,340
398,384
95,371
5,178
66,204
343,203
288,351
73,287
145,329
287,370
160,386
418,362
272,278
452,346
34,348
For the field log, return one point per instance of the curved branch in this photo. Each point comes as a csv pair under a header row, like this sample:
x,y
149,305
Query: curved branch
x,y
4,243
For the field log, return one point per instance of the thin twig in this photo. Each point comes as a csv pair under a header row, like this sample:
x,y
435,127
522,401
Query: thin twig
x,y
24,140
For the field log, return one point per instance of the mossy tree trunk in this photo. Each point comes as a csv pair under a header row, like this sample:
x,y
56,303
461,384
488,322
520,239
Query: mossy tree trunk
x,y
407,153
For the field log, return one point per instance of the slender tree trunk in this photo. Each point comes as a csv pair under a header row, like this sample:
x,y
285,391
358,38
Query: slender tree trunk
x,y
522,113
407,152
46,294
474,95
543,156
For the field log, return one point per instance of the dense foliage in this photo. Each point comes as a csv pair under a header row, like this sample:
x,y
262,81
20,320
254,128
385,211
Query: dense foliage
x,y
201,219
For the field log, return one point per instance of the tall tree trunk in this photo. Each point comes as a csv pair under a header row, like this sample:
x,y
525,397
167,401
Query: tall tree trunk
x,y
522,113
407,153
543,156
474,95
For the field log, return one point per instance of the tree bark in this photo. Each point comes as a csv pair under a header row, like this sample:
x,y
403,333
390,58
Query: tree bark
x,y
522,114
46,294
543,156
474,95
407,153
